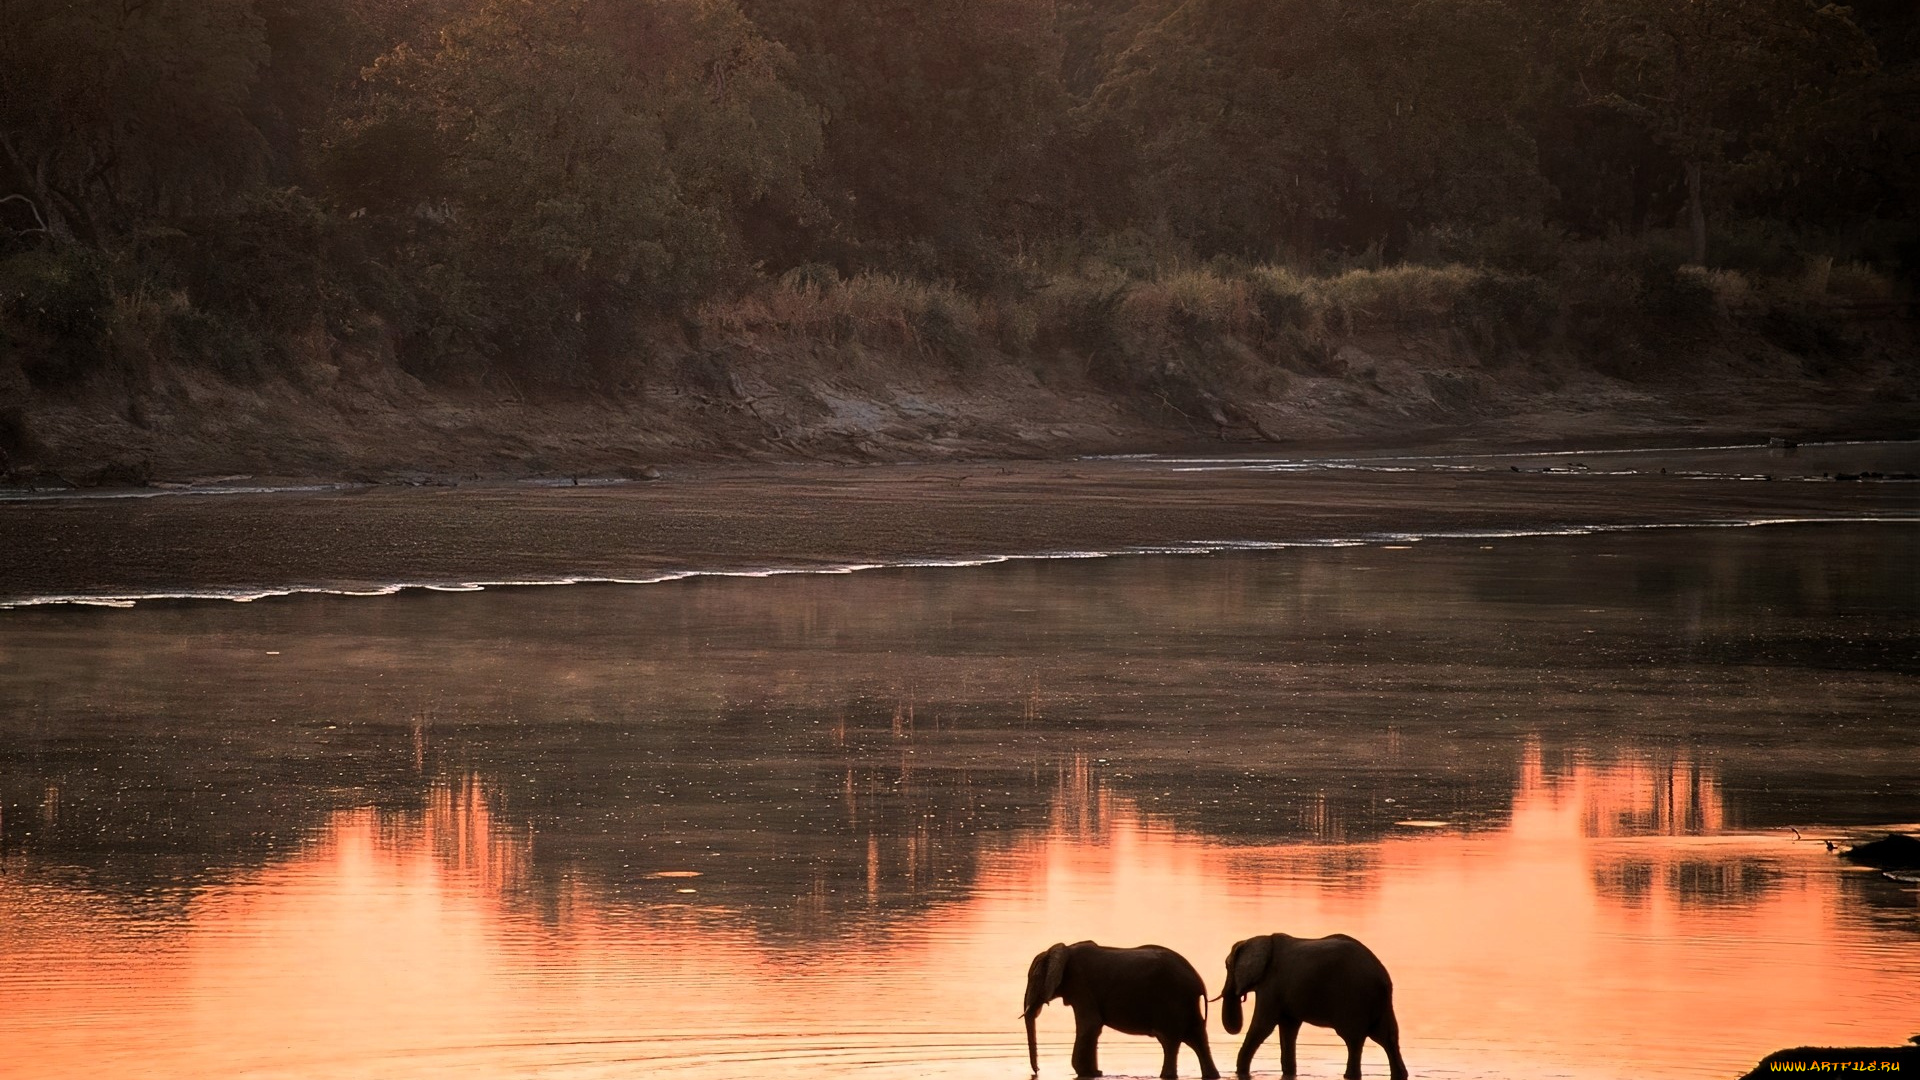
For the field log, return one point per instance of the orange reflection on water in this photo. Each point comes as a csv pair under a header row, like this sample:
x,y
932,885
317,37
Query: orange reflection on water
x,y
1605,931
1632,796
1600,933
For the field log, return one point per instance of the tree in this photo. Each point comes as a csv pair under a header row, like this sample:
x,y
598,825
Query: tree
x,y
1708,78
1283,126
1095,33
941,117
554,167
114,110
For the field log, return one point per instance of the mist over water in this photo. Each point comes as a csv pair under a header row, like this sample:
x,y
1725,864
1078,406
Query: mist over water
x,y
820,824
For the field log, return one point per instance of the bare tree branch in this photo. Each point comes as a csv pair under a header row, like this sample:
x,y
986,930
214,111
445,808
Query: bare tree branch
x,y
31,206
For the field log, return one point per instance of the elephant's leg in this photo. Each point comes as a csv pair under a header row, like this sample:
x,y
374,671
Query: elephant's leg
x,y
1170,1057
1198,1040
1356,1042
1387,1034
1086,1043
1258,1028
1289,1035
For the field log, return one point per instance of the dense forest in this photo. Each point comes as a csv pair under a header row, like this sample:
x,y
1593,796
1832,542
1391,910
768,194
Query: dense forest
x,y
488,189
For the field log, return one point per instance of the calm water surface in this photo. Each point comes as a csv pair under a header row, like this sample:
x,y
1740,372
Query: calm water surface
x,y
818,826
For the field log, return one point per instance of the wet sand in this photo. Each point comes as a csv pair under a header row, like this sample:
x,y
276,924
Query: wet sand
x,y
751,518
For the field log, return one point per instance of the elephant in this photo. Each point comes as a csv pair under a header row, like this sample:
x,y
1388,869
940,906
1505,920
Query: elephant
x,y
1147,990
1332,981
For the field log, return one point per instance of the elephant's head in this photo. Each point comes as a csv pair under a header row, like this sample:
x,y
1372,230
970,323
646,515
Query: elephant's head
x,y
1043,985
1246,965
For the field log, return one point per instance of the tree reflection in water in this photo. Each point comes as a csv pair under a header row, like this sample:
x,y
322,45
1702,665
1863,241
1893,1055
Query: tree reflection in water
x,y
1592,932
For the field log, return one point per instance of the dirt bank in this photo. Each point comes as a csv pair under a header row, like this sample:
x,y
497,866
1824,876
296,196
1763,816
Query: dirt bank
x,y
748,395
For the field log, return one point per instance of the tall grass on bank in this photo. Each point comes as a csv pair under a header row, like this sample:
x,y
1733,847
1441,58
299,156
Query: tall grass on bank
x,y
888,309
1097,308
933,318
1524,289
67,317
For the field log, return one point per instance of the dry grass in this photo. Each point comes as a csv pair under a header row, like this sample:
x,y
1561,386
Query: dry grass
x,y
1855,281
1095,302
880,310
139,322
1399,296
1261,299
870,302
1176,311
1188,298
1733,291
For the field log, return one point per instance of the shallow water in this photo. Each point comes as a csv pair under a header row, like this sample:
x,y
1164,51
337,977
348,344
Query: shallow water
x,y
819,824
123,548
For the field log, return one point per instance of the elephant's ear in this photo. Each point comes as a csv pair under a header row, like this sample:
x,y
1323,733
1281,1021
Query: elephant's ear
x,y
1056,971
1250,962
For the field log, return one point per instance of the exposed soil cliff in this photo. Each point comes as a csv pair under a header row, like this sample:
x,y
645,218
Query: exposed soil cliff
x,y
743,394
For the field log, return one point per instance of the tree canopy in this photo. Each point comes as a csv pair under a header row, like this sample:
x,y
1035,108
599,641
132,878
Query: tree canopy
x,y
521,181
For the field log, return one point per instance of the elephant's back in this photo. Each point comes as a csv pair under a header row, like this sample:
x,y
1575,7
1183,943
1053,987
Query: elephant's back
x,y
1341,960
1176,965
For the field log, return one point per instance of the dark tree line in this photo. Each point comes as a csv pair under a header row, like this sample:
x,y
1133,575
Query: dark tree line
x,y
522,182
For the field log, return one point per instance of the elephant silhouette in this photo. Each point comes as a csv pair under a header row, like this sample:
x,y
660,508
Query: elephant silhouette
x,y
1332,981
1147,990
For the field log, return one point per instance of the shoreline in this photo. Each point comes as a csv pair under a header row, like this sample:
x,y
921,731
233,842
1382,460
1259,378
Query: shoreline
x,y
773,396
1184,548
1329,453
735,520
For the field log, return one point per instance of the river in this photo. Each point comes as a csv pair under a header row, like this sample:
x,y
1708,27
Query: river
x,y
1574,787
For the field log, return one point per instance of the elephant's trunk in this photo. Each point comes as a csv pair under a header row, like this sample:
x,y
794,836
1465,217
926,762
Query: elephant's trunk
x,y
1230,1006
1033,1044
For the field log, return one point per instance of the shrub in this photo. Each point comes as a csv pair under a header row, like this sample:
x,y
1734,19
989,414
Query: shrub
x,y
1761,248
1280,296
1398,296
1014,324
878,309
1189,306
262,263
1512,246
813,275
1680,294
17,440
54,306
1803,332
1083,312
1521,247
1732,290
939,332
1503,309
1856,281
239,352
